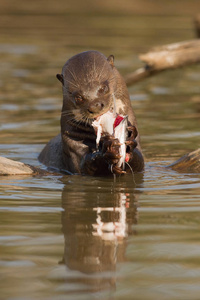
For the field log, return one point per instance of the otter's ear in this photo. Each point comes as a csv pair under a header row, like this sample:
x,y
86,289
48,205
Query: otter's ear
x,y
110,59
60,78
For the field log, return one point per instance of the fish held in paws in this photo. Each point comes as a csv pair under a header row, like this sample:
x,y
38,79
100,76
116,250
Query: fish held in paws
x,y
90,82
115,125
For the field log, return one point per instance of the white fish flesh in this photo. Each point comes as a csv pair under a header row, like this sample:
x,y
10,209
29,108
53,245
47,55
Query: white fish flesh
x,y
115,125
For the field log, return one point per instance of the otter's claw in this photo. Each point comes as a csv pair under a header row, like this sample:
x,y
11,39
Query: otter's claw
x,y
110,148
131,143
132,132
116,170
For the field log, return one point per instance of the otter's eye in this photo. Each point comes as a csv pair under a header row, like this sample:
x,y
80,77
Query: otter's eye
x,y
103,89
79,99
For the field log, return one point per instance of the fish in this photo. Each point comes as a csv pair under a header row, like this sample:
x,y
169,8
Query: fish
x,y
116,125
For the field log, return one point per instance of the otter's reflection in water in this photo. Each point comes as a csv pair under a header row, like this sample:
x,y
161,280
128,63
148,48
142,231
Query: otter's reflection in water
x,y
96,220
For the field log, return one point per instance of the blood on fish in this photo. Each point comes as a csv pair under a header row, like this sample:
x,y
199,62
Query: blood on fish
x,y
118,120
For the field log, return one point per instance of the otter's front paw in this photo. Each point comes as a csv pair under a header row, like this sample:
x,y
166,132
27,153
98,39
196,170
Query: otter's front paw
x,y
110,148
131,143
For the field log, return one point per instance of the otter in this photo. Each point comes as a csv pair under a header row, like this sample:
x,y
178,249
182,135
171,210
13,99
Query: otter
x,y
89,82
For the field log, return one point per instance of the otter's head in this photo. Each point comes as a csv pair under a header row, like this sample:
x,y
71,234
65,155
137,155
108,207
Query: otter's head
x,y
88,86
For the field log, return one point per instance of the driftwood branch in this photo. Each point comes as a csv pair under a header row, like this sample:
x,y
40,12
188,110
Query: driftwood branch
x,y
11,167
166,57
189,163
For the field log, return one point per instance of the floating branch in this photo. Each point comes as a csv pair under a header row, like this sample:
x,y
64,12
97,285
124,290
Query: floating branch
x,y
166,57
189,163
11,167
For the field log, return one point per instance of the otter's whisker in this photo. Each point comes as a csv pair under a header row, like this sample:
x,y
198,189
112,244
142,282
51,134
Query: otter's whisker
x,y
70,120
94,66
67,113
72,83
70,100
73,75
102,69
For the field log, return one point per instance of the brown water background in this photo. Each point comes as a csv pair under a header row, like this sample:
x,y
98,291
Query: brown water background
x,y
73,237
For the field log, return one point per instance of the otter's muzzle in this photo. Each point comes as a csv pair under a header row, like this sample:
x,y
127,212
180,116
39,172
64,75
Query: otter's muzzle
x,y
96,106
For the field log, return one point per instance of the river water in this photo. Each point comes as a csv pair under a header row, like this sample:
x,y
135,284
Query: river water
x,y
73,237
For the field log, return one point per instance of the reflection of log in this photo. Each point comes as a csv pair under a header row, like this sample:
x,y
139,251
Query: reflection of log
x,y
188,163
162,58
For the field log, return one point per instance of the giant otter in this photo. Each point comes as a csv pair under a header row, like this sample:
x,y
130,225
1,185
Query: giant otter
x,y
89,82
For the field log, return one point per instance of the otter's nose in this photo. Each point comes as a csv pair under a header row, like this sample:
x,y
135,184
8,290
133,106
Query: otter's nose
x,y
96,106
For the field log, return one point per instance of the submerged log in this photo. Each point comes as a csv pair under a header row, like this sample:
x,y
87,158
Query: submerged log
x,y
166,57
11,167
189,163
